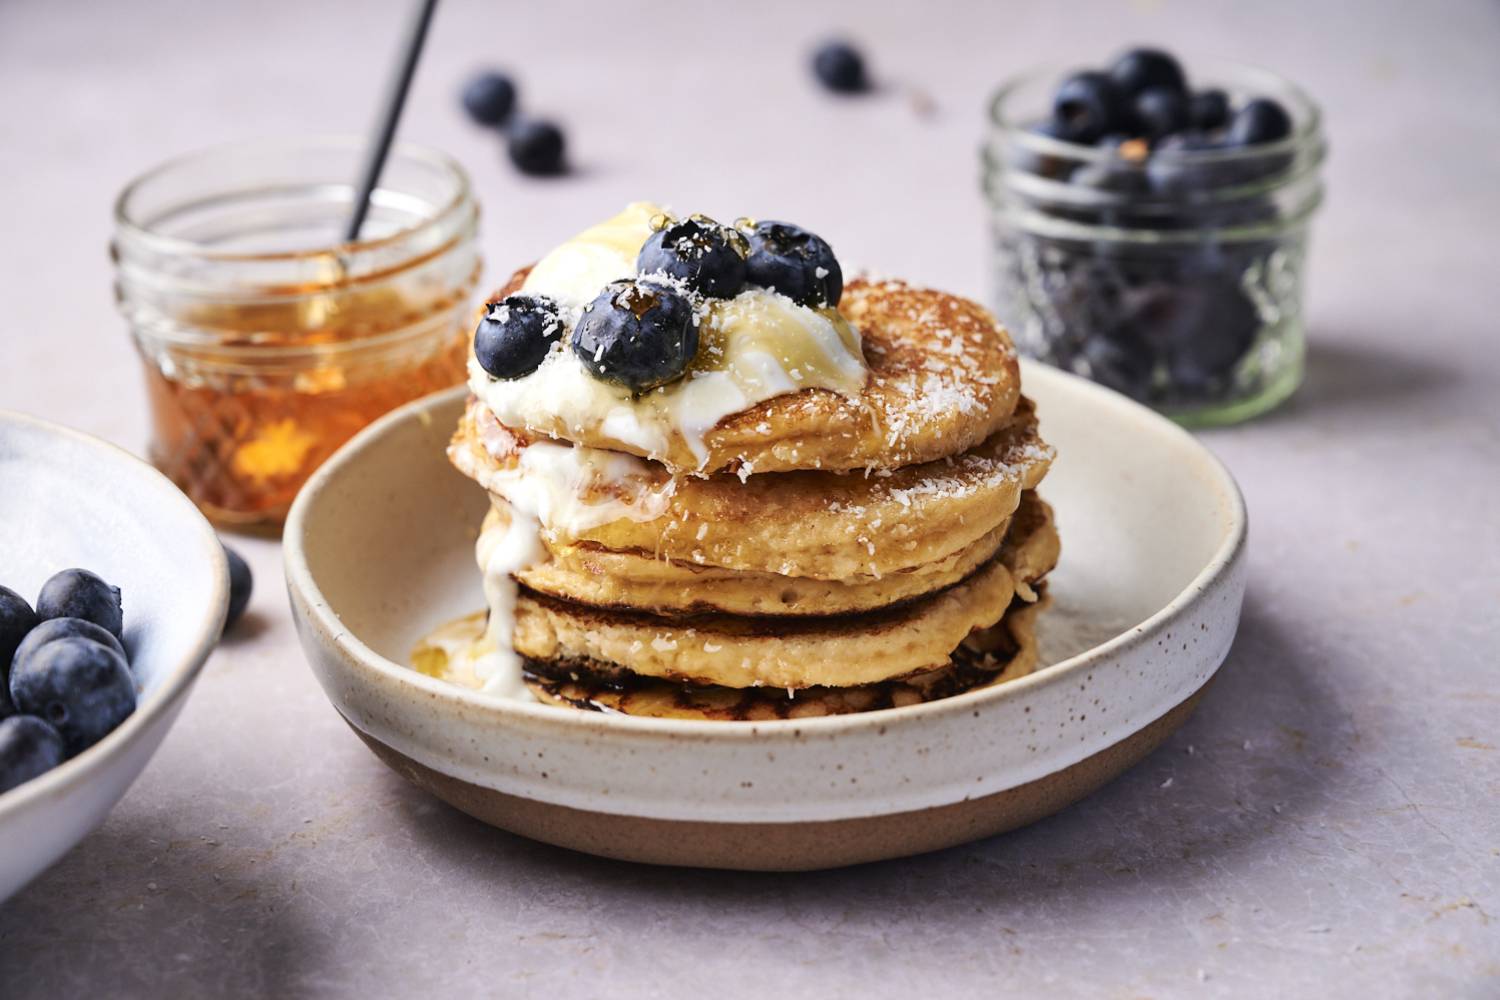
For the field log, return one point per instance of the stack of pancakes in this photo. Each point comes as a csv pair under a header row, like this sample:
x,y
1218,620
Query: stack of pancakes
x,y
829,554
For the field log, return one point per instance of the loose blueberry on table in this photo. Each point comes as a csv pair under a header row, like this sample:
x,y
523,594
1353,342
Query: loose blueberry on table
x,y
840,68
65,681
536,147
241,583
489,98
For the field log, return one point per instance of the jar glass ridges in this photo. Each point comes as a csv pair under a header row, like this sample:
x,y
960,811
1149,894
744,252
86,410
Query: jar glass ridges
x,y
1172,276
266,341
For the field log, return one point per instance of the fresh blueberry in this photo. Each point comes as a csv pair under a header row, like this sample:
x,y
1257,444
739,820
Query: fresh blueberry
x,y
28,747
82,688
1259,121
16,619
1029,160
699,252
77,593
1215,327
240,585
536,147
840,68
1172,169
1139,70
1160,111
798,264
63,628
1118,357
489,98
1208,110
1116,177
1087,107
515,335
638,334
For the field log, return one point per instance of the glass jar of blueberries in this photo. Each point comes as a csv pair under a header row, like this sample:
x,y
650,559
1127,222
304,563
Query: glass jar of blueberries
x,y
1150,232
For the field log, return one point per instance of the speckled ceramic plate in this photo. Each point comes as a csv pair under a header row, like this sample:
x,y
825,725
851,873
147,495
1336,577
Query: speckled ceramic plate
x,y
379,550
67,499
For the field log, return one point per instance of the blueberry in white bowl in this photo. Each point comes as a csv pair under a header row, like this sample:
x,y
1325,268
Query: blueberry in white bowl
x,y
63,628
29,748
78,593
88,504
83,688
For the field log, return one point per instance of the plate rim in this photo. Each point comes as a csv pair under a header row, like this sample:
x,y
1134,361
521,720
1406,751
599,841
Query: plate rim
x,y
302,587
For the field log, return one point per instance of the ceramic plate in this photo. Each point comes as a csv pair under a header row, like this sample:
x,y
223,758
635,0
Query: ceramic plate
x,y
72,500
379,550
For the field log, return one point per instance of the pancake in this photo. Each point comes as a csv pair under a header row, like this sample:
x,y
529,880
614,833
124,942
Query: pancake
x,y
588,574
819,524
1002,653
943,377
736,651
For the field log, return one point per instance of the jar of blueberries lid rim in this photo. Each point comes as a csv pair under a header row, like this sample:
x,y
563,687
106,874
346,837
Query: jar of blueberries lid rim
x,y
1157,243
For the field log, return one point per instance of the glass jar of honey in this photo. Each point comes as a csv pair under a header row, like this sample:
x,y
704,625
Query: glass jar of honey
x,y
267,339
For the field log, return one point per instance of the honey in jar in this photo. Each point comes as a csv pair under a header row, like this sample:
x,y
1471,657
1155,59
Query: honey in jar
x,y
266,343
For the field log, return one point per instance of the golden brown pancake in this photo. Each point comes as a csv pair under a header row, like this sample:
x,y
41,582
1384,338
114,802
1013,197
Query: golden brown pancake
x,y
999,654
819,524
839,650
589,574
943,378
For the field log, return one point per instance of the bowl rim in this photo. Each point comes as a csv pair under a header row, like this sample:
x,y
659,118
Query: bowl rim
x,y
301,586
177,678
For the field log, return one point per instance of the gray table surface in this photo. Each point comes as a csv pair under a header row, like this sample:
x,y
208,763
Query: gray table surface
x,y
1327,824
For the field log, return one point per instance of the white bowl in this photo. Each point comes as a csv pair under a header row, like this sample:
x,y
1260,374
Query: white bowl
x,y
379,549
72,500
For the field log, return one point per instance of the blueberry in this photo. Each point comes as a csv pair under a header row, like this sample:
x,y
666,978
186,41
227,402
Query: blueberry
x,y
1160,111
536,147
840,68
240,585
82,688
16,619
1216,326
515,335
1119,358
1029,160
704,255
1139,70
638,334
77,593
1173,171
1261,120
489,98
28,747
1087,107
63,628
1112,176
1208,110
798,264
